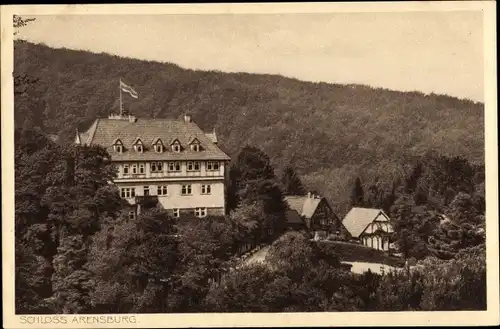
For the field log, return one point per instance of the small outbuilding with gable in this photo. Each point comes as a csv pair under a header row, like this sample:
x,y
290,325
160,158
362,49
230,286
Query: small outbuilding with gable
x,y
312,212
372,227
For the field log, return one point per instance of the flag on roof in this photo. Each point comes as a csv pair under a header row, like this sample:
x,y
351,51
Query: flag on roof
x,y
126,88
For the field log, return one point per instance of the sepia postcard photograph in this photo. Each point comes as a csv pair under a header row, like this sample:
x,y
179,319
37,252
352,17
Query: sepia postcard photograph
x,y
232,165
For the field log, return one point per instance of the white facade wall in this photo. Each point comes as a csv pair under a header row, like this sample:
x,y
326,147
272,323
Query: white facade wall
x,y
175,198
174,180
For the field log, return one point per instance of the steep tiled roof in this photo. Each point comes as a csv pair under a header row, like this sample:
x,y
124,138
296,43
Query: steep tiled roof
x,y
105,131
357,219
303,205
310,205
295,202
212,136
292,217
84,137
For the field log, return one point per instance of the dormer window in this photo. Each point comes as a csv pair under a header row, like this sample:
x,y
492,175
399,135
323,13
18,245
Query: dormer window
x,y
118,146
176,146
194,143
158,146
138,146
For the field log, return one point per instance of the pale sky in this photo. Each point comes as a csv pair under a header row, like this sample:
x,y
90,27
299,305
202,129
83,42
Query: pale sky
x,y
440,52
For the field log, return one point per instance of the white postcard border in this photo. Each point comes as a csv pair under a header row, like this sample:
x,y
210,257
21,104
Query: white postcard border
x,y
459,318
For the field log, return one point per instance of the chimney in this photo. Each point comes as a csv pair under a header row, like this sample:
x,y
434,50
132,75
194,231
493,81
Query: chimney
x,y
187,118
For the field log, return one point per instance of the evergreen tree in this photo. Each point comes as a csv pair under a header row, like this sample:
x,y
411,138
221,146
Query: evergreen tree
x,y
389,199
413,178
251,164
292,185
357,195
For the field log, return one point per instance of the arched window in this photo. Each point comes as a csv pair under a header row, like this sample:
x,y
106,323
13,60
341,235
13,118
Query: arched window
x,y
158,146
138,146
176,146
118,146
195,144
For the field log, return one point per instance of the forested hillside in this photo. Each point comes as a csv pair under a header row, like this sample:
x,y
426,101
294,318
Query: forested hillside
x,y
329,133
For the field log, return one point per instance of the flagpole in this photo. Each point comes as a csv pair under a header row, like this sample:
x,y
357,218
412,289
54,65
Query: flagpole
x,y
121,101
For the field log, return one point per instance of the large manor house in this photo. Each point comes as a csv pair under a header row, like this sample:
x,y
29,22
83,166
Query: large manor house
x,y
175,164
170,162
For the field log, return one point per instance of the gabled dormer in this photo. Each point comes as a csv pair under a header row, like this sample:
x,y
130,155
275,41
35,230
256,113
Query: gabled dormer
x,y
176,146
158,145
195,144
118,146
138,145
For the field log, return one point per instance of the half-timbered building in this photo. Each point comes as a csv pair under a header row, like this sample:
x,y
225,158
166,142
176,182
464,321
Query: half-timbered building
x,y
314,213
371,227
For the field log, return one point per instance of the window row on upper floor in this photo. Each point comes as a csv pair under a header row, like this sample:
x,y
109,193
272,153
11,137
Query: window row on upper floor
x,y
158,146
170,166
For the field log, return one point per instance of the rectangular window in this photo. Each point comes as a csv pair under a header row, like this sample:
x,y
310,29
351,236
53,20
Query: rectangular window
x,y
134,169
146,190
142,168
126,192
159,148
131,215
174,166
176,212
200,212
193,166
162,190
125,169
212,165
119,148
186,190
206,189
156,166
176,148
195,147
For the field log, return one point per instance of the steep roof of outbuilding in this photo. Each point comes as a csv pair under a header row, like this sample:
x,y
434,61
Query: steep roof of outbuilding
x,y
357,219
304,205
